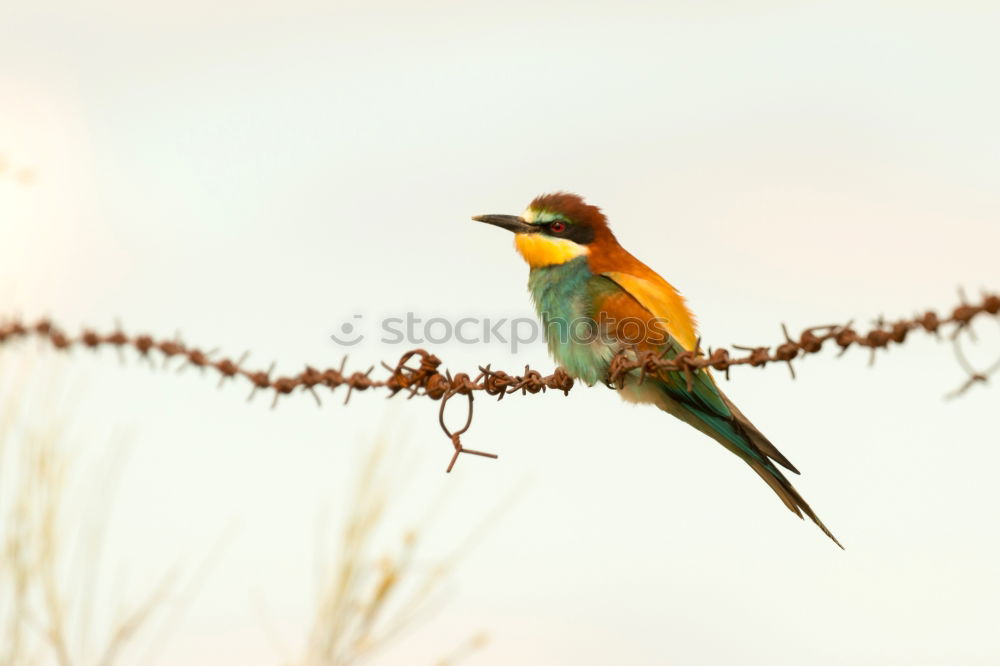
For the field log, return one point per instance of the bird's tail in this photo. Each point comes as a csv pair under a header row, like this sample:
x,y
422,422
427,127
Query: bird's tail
x,y
786,491
722,421
735,432
740,436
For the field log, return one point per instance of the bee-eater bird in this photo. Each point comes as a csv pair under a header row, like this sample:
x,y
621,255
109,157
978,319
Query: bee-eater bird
x,y
596,300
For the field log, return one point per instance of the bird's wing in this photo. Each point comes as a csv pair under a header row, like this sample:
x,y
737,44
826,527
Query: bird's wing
x,y
662,301
629,296
616,304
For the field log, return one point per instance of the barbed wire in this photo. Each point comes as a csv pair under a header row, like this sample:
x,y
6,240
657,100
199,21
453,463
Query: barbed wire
x,y
418,373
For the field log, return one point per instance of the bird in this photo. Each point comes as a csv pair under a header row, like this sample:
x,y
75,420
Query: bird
x,y
595,300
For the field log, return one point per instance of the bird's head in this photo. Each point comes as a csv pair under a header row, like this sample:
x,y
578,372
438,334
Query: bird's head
x,y
554,229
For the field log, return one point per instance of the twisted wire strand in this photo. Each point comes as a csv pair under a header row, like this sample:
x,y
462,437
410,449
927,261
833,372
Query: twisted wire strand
x,y
418,373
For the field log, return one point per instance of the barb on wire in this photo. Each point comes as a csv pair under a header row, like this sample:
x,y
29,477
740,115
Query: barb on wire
x,y
417,373
974,376
456,437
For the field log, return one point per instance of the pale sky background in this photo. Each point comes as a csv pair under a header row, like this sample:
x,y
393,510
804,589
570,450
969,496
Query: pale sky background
x,y
256,174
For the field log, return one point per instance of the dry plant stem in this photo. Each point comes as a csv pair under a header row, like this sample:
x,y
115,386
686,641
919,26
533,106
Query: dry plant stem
x,y
417,371
361,608
42,611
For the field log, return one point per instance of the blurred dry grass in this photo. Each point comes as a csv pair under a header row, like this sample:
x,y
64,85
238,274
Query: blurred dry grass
x,y
365,600
49,562
53,609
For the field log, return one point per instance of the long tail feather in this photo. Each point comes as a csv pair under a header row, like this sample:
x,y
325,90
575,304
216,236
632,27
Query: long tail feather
x,y
786,491
735,432
756,436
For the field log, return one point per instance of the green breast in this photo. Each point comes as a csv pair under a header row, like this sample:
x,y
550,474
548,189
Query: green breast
x,y
564,300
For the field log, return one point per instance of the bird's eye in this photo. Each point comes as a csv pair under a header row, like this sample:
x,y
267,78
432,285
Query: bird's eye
x,y
557,227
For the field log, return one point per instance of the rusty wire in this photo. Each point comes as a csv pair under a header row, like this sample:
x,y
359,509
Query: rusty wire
x,y
417,373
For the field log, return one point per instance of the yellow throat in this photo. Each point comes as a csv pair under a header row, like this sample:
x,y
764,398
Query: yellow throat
x,y
540,250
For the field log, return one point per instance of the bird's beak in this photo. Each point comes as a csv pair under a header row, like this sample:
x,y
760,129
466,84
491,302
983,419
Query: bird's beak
x,y
508,222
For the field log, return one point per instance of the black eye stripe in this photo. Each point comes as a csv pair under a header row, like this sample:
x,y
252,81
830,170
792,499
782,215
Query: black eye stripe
x,y
574,232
